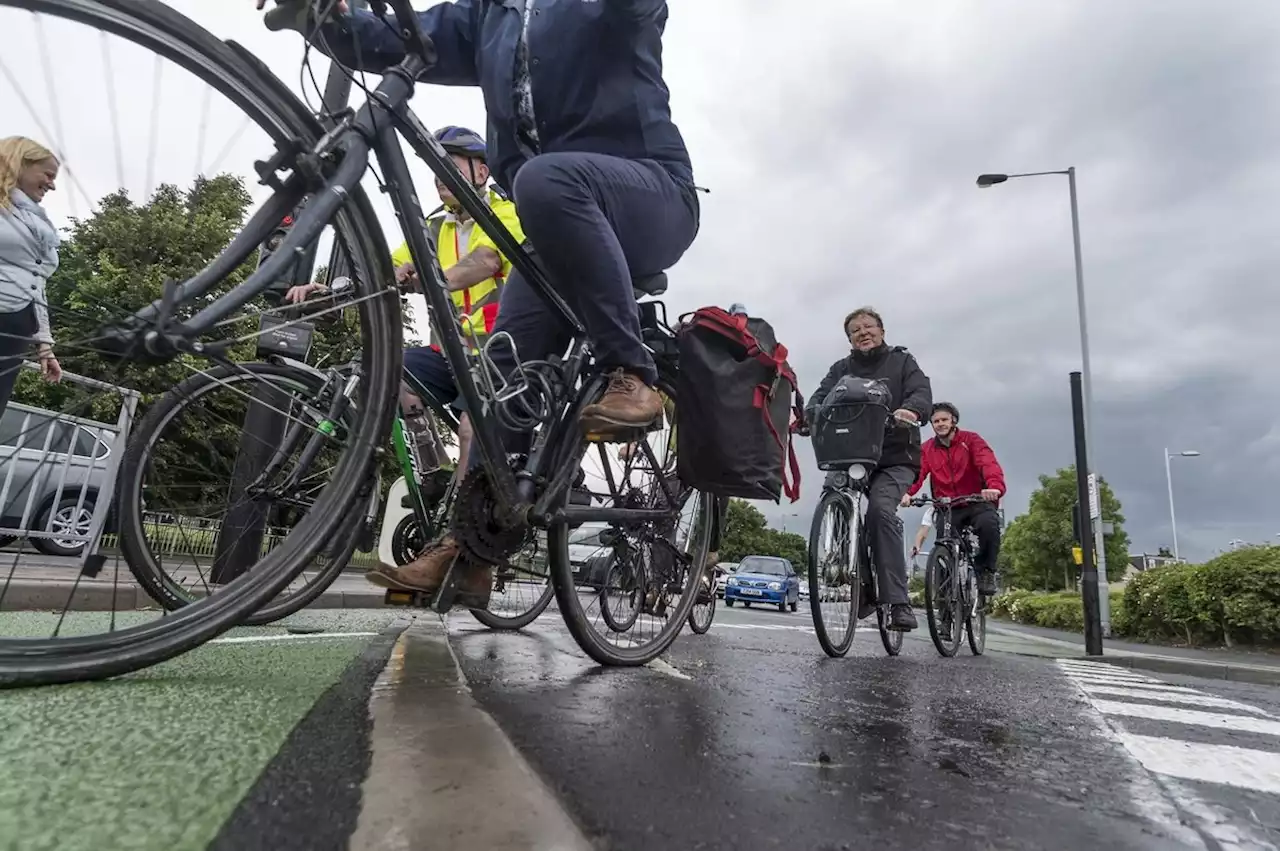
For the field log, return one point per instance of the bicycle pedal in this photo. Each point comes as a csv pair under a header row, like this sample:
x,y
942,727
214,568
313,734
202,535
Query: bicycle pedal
x,y
410,599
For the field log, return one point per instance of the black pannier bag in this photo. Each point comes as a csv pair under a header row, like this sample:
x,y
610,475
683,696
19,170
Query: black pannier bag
x,y
849,425
736,396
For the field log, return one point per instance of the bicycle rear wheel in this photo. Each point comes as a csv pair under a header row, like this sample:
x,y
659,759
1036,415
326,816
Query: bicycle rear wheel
x,y
835,580
523,592
167,560
890,638
664,559
942,605
975,625
264,100
702,614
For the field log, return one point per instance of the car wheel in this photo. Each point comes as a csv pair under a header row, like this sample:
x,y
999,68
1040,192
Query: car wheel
x,y
745,604
782,607
728,602
62,517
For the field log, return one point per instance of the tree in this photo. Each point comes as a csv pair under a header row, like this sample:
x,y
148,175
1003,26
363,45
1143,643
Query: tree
x,y
1036,552
747,533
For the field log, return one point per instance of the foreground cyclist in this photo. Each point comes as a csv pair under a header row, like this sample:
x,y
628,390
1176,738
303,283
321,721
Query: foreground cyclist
x,y
474,270
911,396
581,137
962,463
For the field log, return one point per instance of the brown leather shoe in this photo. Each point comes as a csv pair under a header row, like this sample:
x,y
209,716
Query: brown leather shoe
x,y
628,404
425,575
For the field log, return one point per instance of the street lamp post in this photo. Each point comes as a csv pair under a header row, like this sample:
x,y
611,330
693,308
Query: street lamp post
x,y
1168,478
988,180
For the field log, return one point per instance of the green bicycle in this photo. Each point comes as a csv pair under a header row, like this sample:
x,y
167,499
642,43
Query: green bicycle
x,y
317,403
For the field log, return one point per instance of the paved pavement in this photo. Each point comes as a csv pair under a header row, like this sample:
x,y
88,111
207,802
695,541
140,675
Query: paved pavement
x,y
373,735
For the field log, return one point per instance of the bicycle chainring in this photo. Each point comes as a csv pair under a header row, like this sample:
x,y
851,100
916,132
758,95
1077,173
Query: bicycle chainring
x,y
483,540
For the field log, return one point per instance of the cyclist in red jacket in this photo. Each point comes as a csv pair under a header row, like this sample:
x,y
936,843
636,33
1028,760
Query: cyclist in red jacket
x,y
962,463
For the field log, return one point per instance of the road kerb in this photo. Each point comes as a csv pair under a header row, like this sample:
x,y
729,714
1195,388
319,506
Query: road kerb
x,y
443,772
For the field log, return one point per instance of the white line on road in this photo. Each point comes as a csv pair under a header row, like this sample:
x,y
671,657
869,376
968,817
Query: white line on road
x,y
256,639
1216,720
1192,699
662,666
1108,671
774,626
1093,682
1226,764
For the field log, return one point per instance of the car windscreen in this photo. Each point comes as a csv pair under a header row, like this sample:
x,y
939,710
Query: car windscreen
x,y
759,564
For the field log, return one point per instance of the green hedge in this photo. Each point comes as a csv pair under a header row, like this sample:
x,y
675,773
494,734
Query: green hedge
x,y
1232,599
1058,610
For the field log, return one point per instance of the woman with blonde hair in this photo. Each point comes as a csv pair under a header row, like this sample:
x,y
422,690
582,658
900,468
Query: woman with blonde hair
x,y
28,257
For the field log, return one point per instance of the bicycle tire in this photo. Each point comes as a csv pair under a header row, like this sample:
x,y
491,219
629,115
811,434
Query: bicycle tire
x,y
890,638
138,554
153,25
933,613
700,626
977,635
570,603
848,515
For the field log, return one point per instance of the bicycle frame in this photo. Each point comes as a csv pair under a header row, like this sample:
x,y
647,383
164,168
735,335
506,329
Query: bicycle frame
x,y
325,176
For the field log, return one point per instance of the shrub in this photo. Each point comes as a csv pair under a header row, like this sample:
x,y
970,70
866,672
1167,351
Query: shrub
x,y
1057,610
1234,598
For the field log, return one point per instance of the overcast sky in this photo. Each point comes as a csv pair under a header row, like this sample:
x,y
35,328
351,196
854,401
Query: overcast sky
x,y
841,144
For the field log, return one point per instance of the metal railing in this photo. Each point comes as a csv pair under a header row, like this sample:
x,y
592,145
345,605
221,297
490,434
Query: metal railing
x,y
91,477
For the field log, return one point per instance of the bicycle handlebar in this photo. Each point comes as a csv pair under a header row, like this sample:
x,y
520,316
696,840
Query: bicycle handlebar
x,y
305,16
918,501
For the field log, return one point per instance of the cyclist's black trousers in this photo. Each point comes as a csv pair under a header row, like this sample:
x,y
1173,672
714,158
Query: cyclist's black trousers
x,y
884,496
985,521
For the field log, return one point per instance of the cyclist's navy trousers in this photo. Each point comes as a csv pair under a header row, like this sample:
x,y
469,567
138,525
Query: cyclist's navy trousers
x,y
595,222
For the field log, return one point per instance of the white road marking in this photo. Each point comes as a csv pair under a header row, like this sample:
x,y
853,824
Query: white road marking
x,y
662,666
1191,699
1226,764
1216,720
1091,683
257,639
766,626
1171,761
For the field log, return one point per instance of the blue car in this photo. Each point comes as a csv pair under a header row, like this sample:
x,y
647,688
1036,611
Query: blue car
x,y
763,579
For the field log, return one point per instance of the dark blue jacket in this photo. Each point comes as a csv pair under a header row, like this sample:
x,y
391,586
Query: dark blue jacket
x,y
595,65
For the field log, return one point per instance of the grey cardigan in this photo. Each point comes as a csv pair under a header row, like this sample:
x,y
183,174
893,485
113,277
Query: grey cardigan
x,y
28,257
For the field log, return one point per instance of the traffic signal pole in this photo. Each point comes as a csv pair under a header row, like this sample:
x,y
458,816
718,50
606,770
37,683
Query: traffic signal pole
x,y
240,537
1089,568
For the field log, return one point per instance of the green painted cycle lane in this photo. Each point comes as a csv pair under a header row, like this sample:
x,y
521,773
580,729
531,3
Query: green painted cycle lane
x,y
161,758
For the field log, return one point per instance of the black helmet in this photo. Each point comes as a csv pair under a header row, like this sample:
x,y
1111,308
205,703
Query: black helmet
x,y
460,140
948,407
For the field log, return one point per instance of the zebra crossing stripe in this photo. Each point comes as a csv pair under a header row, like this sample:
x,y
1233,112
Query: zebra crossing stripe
x,y
1227,765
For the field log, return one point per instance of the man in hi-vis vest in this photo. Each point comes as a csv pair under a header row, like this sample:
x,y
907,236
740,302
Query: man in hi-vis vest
x,y
474,271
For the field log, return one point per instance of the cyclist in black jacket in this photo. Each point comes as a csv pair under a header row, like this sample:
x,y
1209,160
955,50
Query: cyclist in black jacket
x,y
912,399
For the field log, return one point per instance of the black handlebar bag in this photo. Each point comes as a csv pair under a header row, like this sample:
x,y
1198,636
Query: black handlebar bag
x,y
849,426
736,397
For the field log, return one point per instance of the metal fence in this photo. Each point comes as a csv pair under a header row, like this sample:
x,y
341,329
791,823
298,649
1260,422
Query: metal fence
x,y
59,471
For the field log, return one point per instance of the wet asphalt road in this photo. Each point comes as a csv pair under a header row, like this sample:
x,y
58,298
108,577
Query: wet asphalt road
x,y
752,739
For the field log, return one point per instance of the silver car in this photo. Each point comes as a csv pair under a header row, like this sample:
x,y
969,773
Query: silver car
x,y
46,460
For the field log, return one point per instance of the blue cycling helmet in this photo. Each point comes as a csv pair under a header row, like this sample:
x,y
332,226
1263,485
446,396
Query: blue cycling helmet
x,y
460,140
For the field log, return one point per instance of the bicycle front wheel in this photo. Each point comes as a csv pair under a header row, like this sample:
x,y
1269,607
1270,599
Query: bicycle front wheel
x,y
835,580
81,650
942,602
